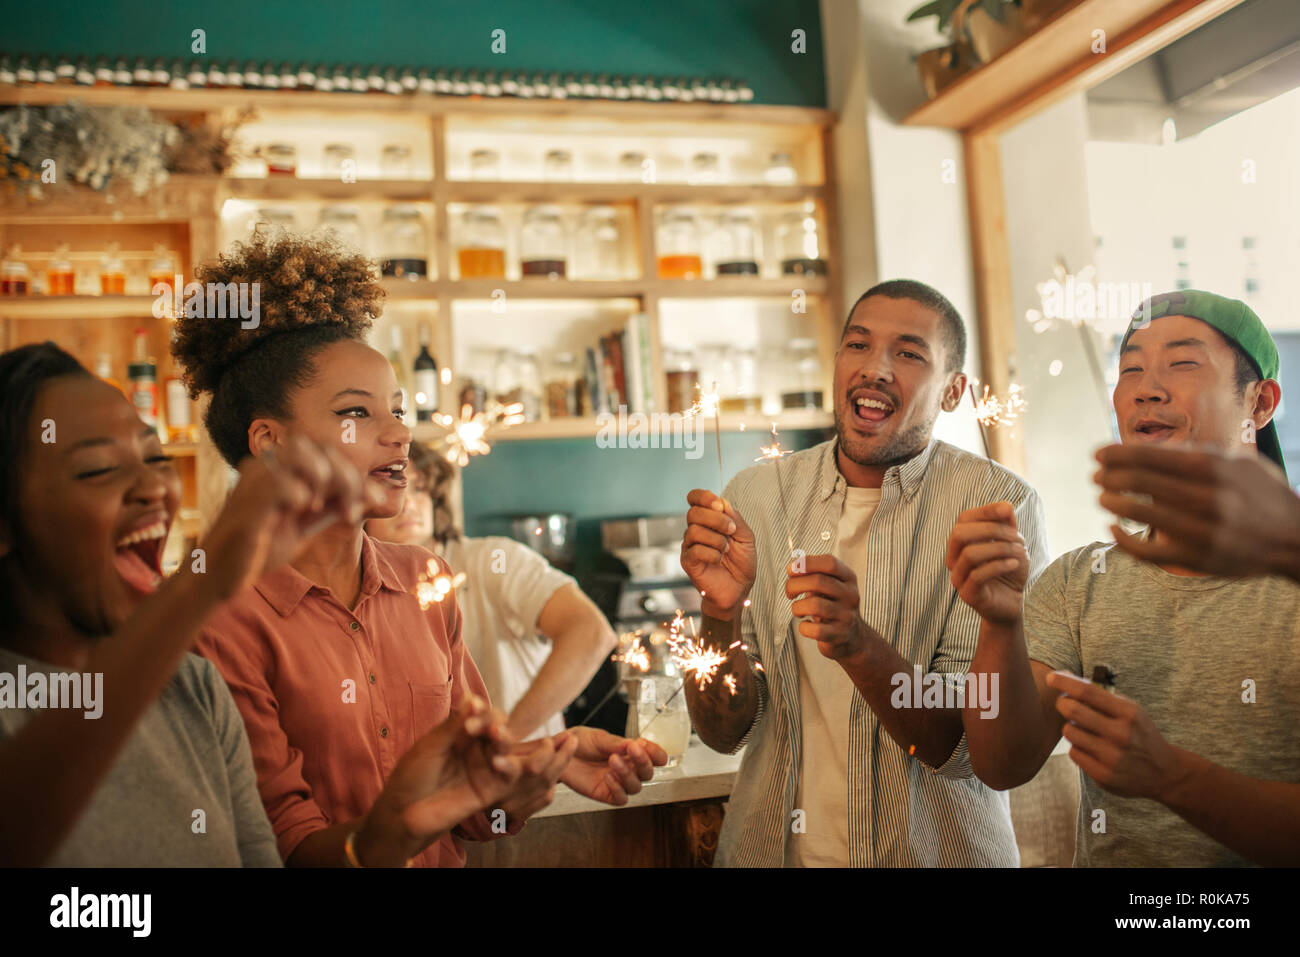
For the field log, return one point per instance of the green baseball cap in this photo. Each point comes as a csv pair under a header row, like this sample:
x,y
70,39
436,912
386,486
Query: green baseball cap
x,y
1234,319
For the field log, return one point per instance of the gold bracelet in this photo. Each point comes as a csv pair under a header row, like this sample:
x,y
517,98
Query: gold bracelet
x,y
350,858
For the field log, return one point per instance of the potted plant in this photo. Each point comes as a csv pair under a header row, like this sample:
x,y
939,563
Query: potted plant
x,y
940,66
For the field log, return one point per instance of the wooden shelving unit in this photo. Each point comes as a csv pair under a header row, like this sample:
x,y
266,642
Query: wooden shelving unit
x,y
195,205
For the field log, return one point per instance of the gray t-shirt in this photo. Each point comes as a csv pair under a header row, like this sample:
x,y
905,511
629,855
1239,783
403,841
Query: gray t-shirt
x,y
1193,651
188,752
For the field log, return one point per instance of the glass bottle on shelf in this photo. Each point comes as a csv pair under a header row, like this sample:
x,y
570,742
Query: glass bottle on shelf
x,y
543,246
485,165
60,277
678,245
799,243
104,370
395,161
180,423
780,170
482,250
112,272
337,157
281,159
14,280
557,166
344,223
404,243
737,244
425,379
597,245
399,370
805,390
142,379
683,377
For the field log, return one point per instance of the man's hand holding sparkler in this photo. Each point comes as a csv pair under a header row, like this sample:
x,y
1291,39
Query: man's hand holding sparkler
x,y
989,563
718,554
825,595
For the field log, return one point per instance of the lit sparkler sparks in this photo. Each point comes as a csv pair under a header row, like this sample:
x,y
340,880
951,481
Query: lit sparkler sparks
x,y
467,435
632,652
689,652
993,411
434,585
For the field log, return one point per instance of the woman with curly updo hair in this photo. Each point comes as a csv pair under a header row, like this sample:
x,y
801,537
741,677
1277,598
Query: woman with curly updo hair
x,y
336,669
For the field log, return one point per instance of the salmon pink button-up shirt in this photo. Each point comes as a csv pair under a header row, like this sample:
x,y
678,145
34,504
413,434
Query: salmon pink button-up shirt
x,y
332,698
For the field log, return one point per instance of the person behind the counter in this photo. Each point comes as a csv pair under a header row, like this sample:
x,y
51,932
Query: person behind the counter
x,y
536,638
111,733
334,665
836,772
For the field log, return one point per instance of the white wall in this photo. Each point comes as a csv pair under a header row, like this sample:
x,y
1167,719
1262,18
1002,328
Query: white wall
x,y
899,219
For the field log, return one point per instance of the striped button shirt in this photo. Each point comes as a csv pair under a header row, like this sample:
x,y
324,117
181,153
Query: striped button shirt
x,y
902,813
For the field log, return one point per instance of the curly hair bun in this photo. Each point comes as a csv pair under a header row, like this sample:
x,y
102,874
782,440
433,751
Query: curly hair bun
x,y
303,282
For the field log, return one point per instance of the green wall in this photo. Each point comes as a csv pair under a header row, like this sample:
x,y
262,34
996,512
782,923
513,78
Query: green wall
x,y
590,483
746,39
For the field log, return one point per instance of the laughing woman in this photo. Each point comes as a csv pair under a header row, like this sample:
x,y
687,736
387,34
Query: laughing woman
x,y
87,496
332,662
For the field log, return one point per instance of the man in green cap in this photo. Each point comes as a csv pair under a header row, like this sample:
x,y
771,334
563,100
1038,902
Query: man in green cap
x,y
1216,511
1197,761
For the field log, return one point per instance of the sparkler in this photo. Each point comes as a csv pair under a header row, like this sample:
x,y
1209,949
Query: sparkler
x,y
434,584
774,452
709,403
631,652
991,411
696,659
467,436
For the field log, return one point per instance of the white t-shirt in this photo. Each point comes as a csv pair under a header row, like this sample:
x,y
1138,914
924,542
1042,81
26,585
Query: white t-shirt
x,y
825,698
506,586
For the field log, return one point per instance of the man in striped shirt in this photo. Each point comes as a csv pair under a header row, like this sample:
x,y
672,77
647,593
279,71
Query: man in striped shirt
x,y
824,583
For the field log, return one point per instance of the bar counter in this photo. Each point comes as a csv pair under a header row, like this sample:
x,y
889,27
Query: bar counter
x,y
673,822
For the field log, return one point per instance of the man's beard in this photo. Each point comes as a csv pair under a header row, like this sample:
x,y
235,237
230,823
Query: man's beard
x,y
897,449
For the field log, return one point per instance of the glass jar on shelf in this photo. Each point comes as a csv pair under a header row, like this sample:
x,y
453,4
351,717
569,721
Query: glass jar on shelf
x,y
632,167
395,161
706,169
557,166
562,386
481,253
780,170
805,389
799,243
404,243
506,384
598,245
683,377
163,277
60,276
14,277
273,218
530,384
485,164
338,159
740,375
281,159
112,272
678,245
344,223
736,244
543,243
